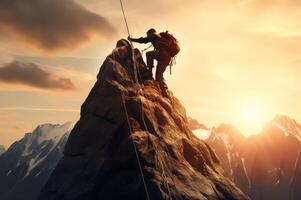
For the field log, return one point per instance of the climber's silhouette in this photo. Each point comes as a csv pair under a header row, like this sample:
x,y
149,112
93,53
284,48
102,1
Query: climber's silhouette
x,y
165,48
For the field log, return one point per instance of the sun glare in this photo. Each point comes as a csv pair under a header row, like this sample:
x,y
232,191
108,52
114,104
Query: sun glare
x,y
252,118
250,114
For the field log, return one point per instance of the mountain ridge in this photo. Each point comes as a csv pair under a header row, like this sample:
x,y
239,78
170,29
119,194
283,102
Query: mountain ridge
x,y
266,165
28,162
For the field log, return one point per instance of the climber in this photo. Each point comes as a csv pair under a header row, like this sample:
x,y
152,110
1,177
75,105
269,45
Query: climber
x,y
165,48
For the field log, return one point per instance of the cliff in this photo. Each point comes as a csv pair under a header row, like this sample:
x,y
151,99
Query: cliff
x,y
120,116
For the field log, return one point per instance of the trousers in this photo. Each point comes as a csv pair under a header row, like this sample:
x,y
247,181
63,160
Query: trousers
x,y
163,57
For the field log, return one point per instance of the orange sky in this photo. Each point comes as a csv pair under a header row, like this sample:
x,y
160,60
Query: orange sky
x,y
239,63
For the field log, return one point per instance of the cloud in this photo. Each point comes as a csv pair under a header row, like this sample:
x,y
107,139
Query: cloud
x,y
32,75
52,25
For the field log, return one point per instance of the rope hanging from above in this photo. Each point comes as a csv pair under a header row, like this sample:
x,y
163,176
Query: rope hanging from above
x,y
136,74
132,46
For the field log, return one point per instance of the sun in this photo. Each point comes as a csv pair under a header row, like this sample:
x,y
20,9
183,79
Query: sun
x,y
250,114
252,118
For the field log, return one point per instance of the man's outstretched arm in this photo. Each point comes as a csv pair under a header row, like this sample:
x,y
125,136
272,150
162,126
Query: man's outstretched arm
x,y
140,40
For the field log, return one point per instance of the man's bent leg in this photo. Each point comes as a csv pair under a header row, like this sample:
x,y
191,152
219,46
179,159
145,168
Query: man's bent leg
x,y
159,74
163,61
150,56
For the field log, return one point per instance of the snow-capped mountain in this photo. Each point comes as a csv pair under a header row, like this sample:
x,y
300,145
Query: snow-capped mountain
x,y
27,163
2,149
265,166
200,130
227,141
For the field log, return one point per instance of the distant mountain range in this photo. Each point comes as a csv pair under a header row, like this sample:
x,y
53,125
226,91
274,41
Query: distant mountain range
x,y
265,166
27,163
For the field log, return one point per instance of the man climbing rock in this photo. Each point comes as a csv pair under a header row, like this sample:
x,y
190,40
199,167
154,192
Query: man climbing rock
x,y
165,48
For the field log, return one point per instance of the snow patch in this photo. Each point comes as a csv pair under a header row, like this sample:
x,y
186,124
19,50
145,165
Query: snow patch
x,y
53,132
8,173
287,132
33,163
43,135
45,132
281,128
202,133
26,151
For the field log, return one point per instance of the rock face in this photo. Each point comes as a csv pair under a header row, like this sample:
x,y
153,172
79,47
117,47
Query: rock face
x,y
99,159
27,164
265,166
195,125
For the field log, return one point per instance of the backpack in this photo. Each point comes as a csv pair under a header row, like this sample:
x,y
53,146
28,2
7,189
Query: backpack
x,y
172,44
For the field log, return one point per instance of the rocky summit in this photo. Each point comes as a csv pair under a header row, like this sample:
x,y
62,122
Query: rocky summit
x,y
125,125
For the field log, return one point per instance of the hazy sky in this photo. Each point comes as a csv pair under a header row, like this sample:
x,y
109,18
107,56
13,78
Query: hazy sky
x,y
239,63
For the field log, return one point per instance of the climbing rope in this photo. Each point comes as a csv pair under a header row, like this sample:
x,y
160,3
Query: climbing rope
x,y
135,148
154,144
161,162
136,74
132,46
131,131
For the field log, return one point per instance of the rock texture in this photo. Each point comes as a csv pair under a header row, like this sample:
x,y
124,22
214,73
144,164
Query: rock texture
x,y
27,164
193,124
99,159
